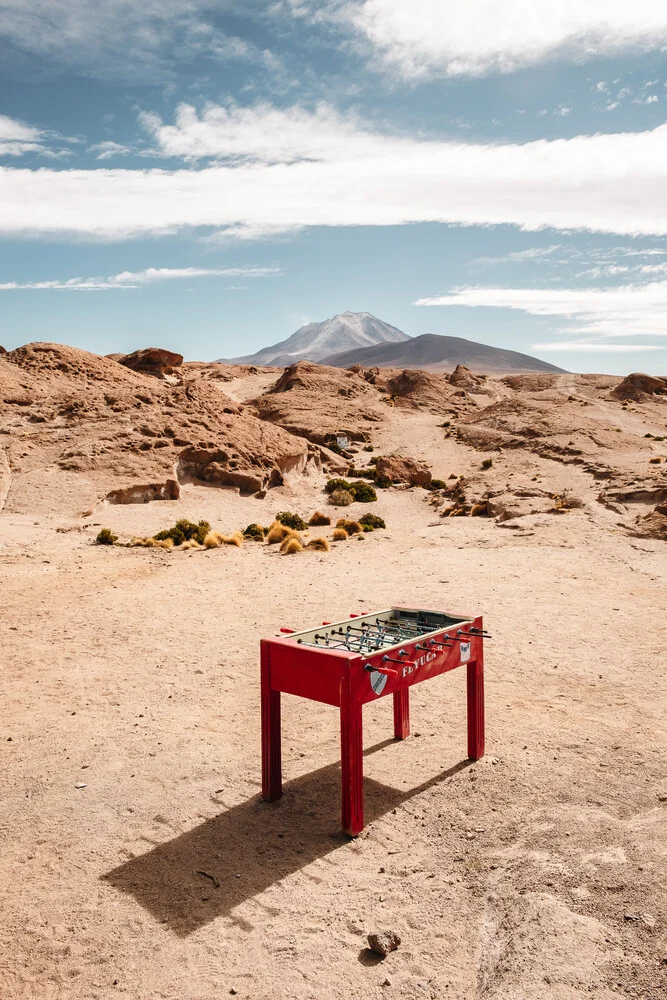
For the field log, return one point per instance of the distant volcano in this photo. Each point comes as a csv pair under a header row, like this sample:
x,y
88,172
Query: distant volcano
x,y
345,332
437,353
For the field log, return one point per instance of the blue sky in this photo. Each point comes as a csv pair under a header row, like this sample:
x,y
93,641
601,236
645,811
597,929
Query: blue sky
x,y
207,176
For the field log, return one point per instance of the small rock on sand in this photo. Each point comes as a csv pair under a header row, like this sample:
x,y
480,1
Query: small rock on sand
x,y
382,942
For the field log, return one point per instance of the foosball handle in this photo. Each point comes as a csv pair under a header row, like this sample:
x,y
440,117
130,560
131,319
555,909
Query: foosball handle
x,y
389,671
289,631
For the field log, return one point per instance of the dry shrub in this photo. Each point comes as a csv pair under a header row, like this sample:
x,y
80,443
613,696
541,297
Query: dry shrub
x,y
163,543
349,527
291,545
136,541
480,509
291,520
189,543
278,532
319,520
341,498
319,544
293,535
235,539
213,540
339,535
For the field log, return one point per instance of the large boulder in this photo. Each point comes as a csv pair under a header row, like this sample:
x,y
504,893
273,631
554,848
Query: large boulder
x,y
638,387
152,361
2,349
403,470
463,378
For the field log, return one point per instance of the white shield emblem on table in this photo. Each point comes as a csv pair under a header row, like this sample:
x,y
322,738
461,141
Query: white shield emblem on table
x,y
378,681
465,651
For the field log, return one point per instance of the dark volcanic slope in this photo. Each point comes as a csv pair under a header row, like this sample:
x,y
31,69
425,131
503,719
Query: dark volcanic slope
x,y
440,353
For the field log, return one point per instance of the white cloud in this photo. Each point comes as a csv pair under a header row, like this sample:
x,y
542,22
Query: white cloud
x,y
262,133
322,170
108,149
520,256
16,139
135,279
587,348
626,311
117,39
425,37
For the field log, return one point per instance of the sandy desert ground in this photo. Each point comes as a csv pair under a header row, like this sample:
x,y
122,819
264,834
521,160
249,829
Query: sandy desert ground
x,y
137,857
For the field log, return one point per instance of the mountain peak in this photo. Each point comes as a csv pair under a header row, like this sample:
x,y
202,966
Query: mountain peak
x,y
347,331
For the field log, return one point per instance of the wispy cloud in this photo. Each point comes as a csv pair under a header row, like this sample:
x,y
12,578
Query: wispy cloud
x,y
432,37
119,39
626,311
587,348
319,169
17,139
108,149
135,279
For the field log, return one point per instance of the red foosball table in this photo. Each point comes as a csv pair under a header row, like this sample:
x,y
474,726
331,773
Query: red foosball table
x,y
356,661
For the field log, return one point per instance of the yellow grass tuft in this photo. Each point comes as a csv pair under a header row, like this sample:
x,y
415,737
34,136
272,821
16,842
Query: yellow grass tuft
x,y
213,540
319,520
164,543
339,535
353,527
291,545
235,539
136,541
190,543
277,532
319,544
292,537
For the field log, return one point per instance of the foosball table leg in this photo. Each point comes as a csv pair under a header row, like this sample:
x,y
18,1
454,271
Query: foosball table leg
x,y
402,714
272,787
476,709
352,768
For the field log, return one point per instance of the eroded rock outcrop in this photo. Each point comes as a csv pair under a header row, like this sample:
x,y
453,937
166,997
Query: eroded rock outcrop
x,y
424,390
82,426
152,361
639,387
319,403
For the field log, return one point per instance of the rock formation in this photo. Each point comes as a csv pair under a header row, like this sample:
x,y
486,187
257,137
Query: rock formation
x,y
152,361
638,387
79,426
320,403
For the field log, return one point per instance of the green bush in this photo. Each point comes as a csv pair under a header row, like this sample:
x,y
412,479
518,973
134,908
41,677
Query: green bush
x,y
373,460
367,527
363,492
487,463
106,537
335,448
383,482
438,484
184,530
291,520
369,447
255,531
362,473
372,520
336,484
341,498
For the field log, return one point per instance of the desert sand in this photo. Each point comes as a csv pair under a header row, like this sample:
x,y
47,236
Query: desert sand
x,y
137,857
